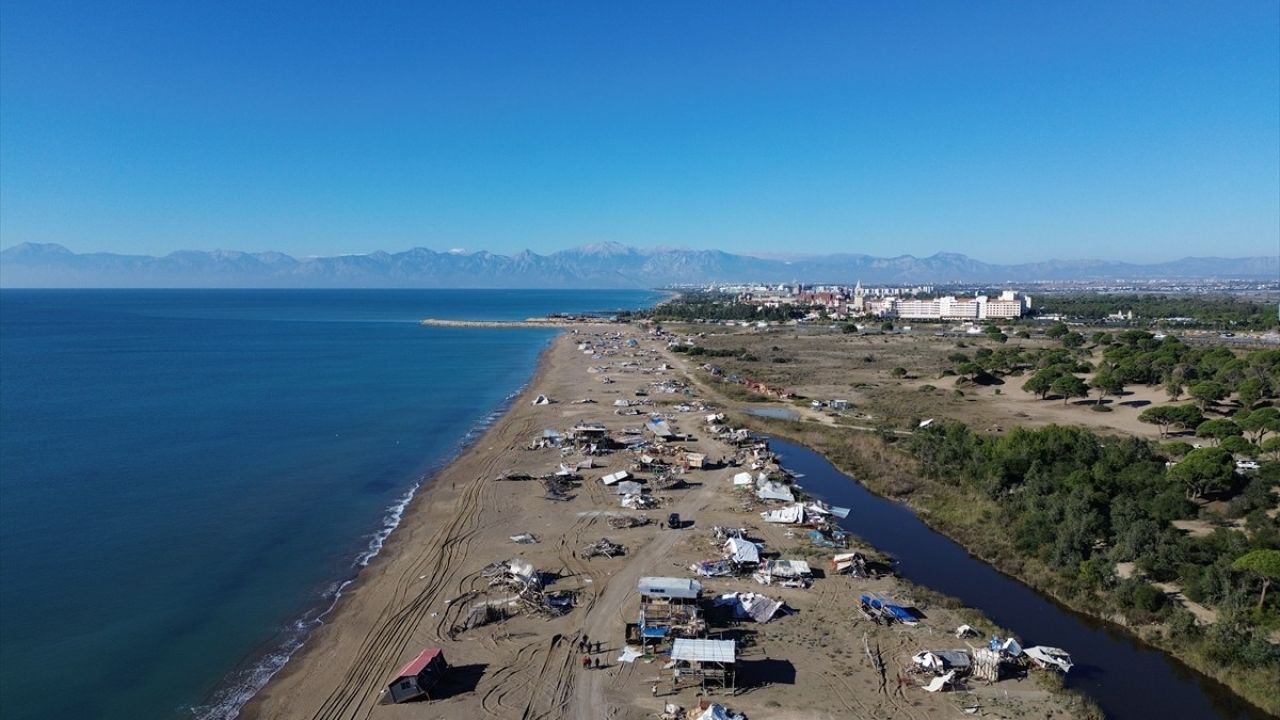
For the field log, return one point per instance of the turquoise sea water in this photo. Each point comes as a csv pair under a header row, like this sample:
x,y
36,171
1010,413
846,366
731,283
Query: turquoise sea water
x,y
187,477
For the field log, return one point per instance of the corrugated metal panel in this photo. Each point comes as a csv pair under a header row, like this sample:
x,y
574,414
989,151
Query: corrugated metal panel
x,y
690,650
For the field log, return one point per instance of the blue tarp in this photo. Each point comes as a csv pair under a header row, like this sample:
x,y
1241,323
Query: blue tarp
x,y
901,614
653,632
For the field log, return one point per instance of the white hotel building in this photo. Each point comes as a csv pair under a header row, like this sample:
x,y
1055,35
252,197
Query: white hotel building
x,y
1010,304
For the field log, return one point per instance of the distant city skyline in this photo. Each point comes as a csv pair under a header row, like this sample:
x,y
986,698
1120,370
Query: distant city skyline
x,y
1008,132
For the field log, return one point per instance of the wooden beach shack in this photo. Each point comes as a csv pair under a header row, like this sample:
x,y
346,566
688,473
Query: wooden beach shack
x,y
668,607
416,678
711,662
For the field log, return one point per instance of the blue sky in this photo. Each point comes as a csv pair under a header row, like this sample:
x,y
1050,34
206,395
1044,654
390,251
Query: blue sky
x,y
1008,131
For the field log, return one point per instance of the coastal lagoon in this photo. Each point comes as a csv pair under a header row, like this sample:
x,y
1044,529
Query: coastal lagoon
x,y
190,476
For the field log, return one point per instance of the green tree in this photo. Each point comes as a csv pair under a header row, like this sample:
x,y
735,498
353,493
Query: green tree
x,y
1072,340
1069,386
1249,392
1056,330
970,370
1204,471
1206,393
1263,563
1237,445
1258,423
1163,416
1107,382
1216,430
1271,446
1042,382
898,372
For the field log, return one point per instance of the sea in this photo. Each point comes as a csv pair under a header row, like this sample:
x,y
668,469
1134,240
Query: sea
x,y
189,478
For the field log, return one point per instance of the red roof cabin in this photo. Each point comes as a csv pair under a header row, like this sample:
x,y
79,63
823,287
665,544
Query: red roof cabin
x,y
417,677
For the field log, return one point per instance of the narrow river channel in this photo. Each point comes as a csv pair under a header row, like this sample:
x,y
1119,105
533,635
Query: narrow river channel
x,y
1128,679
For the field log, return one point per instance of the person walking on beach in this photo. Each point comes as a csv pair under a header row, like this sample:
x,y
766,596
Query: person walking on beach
x,y
586,663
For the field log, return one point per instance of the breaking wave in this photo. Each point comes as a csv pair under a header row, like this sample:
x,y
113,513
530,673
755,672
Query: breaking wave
x,y
241,686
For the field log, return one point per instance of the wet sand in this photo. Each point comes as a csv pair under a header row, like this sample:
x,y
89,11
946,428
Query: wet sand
x,y
810,664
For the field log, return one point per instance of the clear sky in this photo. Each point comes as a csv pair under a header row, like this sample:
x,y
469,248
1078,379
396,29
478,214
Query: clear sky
x,y
1008,131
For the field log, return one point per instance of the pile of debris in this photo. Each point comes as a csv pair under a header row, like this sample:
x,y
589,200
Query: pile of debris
x,y
558,487
514,573
667,482
880,610
787,573
624,522
759,608
725,533
640,501
706,710
521,577
854,563
829,538
604,547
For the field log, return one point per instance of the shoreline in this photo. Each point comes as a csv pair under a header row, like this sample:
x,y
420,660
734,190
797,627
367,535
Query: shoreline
x,y
260,671
459,521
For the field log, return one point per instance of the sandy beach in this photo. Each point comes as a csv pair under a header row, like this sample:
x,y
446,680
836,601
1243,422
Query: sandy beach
x,y
810,664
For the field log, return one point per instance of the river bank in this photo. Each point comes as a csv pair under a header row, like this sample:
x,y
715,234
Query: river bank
x,y
952,516
462,520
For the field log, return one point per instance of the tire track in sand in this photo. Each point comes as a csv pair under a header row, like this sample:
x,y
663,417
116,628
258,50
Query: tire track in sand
x,y
383,646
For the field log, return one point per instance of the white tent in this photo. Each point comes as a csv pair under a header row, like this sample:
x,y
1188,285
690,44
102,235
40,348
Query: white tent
x,y
742,479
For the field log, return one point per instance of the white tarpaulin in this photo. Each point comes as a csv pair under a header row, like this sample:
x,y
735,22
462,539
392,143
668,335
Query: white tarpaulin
x,y
742,479
792,514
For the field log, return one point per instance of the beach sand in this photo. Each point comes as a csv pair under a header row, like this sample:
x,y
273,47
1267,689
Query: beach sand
x,y
807,665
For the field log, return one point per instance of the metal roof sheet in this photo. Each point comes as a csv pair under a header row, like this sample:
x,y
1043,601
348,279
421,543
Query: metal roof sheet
x,y
683,588
415,666
694,650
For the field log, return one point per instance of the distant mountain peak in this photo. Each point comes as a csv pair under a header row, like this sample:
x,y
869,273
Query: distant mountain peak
x,y
608,247
30,248
598,265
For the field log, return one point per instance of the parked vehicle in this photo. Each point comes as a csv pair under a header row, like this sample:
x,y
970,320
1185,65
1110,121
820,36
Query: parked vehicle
x,y
673,521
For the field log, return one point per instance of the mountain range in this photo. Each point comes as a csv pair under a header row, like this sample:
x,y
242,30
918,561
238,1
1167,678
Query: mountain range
x,y
590,266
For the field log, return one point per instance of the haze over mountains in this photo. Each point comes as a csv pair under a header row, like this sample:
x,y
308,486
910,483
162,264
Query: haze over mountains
x,y
591,266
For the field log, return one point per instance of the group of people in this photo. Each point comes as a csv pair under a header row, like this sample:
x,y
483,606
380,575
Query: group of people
x,y
585,647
